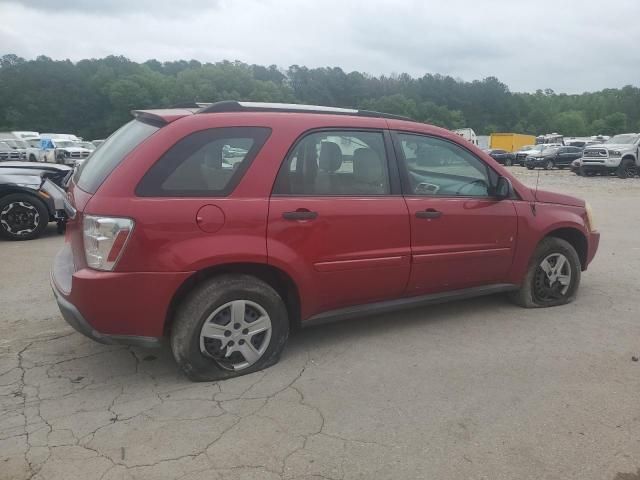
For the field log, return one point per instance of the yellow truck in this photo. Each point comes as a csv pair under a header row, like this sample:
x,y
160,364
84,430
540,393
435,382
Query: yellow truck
x,y
511,142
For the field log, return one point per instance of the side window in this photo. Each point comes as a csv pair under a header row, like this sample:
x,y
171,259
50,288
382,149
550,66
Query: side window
x,y
335,163
439,167
205,163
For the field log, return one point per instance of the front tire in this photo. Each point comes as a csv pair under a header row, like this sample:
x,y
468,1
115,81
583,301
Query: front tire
x,y
22,217
627,168
508,162
553,276
229,326
549,165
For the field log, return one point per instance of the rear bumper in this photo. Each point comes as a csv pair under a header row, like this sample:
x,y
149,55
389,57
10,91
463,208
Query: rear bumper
x,y
74,318
114,308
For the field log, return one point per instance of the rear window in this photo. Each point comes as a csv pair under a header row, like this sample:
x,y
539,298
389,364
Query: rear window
x,y
206,163
104,160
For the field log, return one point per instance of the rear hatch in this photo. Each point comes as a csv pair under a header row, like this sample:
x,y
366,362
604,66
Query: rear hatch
x,y
96,169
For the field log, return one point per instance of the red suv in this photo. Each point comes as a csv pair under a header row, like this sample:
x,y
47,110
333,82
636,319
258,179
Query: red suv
x,y
224,227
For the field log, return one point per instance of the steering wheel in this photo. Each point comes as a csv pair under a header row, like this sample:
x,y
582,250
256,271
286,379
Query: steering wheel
x,y
470,184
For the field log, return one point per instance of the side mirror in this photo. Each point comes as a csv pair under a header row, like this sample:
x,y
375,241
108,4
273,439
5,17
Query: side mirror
x,y
503,188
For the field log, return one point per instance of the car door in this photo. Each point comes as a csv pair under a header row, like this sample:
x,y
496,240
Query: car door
x,y
461,236
337,218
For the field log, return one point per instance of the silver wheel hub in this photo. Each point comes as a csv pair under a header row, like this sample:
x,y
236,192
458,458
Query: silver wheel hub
x,y
19,218
558,271
236,334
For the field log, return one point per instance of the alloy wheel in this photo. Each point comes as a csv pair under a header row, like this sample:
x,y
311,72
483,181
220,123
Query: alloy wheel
x,y
19,218
236,334
552,278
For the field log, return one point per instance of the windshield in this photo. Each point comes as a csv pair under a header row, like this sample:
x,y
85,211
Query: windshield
x,y
4,146
549,149
63,143
526,147
21,143
626,139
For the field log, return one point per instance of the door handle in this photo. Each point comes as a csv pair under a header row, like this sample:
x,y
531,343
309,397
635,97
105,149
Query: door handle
x,y
300,214
428,213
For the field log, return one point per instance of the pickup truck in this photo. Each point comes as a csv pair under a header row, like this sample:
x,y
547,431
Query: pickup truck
x,y
620,155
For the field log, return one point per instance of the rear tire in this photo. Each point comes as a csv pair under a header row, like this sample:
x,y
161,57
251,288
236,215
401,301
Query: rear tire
x,y
22,217
215,356
537,290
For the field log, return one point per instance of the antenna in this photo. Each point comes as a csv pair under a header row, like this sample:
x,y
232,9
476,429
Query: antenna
x,y
535,195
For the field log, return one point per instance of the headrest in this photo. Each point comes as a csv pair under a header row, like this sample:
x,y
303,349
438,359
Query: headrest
x,y
330,157
368,166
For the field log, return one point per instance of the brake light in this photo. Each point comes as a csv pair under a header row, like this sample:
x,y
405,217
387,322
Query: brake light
x,y
105,239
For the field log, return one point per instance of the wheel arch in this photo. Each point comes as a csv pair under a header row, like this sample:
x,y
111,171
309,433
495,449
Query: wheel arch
x,y
576,238
278,279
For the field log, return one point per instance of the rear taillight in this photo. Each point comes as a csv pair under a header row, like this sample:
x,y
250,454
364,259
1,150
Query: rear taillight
x,y
104,240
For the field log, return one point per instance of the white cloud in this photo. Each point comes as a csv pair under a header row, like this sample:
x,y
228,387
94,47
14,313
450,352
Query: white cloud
x,y
565,45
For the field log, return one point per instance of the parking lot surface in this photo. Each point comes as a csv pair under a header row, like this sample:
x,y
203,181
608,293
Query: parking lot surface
x,y
479,389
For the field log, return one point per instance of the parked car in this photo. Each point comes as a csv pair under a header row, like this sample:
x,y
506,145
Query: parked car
x,y
502,156
8,153
34,152
66,152
554,157
329,215
620,155
29,200
527,150
18,146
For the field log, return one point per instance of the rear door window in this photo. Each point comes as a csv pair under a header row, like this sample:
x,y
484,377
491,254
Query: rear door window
x,y
99,166
206,163
336,163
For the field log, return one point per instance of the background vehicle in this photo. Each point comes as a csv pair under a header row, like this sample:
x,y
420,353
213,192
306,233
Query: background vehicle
x,y
97,143
62,151
24,135
550,138
61,136
502,156
34,152
468,134
620,154
19,146
234,252
510,142
27,202
7,152
553,157
527,150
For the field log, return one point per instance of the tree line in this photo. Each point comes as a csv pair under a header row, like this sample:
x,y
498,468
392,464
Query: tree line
x,y
93,97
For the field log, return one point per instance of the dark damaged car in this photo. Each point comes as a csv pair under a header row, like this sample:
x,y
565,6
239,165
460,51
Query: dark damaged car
x,y
31,196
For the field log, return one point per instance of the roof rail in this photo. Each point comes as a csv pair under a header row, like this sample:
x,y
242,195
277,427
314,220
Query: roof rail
x,y
235,106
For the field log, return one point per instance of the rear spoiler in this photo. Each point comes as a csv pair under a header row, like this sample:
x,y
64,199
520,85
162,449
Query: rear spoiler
x,y
161,117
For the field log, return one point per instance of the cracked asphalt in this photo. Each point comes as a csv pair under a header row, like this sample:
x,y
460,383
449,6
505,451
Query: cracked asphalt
x,y
478,389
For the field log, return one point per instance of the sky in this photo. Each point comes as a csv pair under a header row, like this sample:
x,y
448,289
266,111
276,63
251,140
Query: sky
x,y
567,45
